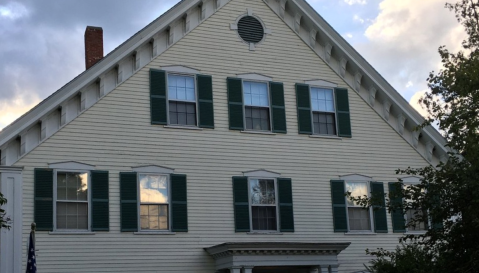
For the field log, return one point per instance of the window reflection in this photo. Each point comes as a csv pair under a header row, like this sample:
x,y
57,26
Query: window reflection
x,y
154,200
153,189
72,201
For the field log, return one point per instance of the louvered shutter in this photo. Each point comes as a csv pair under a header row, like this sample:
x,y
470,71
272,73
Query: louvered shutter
x,y
205,101
43,190
397,215
340,219
342,112
158,97
379,211
303,103
179,208
129,201
278,113
285,200
100,211
235,103
241,204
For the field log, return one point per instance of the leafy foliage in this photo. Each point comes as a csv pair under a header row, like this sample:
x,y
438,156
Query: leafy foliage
x,y
448,195
3,219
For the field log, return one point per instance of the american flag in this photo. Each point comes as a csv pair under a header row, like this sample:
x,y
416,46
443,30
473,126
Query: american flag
x,y
32,261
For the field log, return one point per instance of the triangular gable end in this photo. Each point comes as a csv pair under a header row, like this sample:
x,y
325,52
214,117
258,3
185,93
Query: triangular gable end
x,y
67,103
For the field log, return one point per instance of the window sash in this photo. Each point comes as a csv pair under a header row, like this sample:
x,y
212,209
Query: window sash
x,y
192,77
56,200
335,124
268,107
167,204
263,205
355,206
195,100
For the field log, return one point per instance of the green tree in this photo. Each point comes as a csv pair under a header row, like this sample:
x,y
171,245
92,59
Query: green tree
x,y
3,219
449,192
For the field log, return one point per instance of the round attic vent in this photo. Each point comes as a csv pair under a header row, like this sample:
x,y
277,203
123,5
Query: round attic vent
x,y
250,29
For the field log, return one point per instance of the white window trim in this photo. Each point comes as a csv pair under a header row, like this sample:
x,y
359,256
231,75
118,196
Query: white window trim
x,y
71,231
155,231
334,112
269,106
371,216
184,74
252,231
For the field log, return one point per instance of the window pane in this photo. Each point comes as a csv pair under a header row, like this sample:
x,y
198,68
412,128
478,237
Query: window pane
x,y
322,99
255,93
72,186
61,186
72,215
264,217
181,88
257,118
262,191
418,225
359,219
153,188
154,217
357,189
182,113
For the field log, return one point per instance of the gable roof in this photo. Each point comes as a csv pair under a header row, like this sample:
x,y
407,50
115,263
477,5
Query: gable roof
x,y
330,46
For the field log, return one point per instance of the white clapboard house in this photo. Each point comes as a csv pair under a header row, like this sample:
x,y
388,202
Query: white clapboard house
x,y
219,138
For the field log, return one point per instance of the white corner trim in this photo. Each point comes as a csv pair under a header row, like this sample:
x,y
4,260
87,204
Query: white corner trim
x,y
71,165
355,177
254,76
321,83
153,169
411,179
180,69
262,173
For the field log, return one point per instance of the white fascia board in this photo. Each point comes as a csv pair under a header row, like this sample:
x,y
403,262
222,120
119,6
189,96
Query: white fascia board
x,y
364,66
104,65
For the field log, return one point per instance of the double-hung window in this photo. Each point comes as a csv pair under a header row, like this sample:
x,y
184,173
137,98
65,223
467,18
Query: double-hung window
x,y
154,201
182,100
349,216
72,198
263,203
153,198
323,111
256,106
255,103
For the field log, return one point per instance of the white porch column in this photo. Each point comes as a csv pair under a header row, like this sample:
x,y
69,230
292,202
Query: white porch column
x,y
11,240
232,270
248,269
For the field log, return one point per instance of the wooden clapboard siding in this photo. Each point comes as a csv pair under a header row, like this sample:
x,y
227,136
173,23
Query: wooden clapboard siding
x,y
116,134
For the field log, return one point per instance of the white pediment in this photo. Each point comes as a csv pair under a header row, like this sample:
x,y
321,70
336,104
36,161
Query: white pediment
x,y
153,169
355,177
411,179
321,83
262,173
254,77
180,69
71,165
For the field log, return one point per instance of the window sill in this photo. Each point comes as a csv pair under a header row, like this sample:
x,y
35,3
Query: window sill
x,y
421,232
183,127
258,132
154,233
264,233
325,136
71,233
360,233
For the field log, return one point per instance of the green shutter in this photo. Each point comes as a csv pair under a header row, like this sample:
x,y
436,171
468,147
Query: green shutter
x,y
342,112
285,199
436,223
179,209
397,216
128,201
205,101
379,211
235,103
278,114
158,96
303,103
43,189
241,204
100,211
338,199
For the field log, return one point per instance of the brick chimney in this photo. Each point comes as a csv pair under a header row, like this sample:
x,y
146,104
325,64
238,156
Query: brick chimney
x,y
93,45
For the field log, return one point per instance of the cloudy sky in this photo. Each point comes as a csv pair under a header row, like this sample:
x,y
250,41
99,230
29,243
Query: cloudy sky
x,y
41,42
